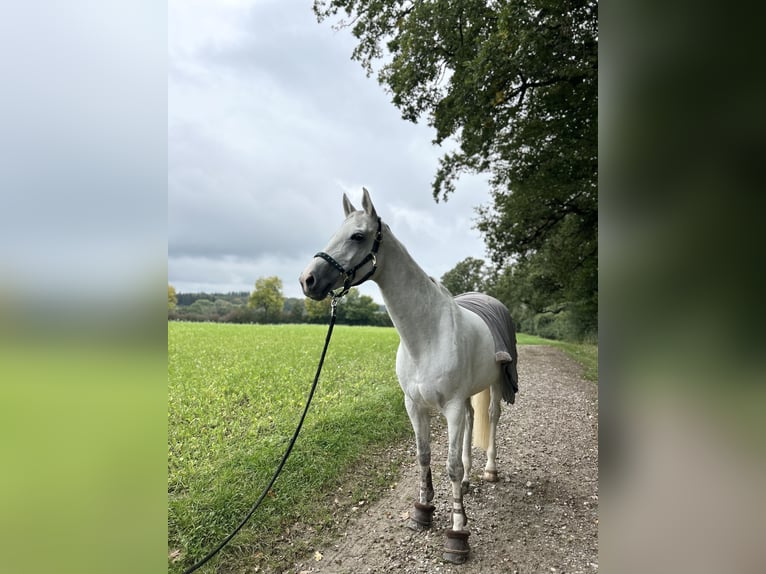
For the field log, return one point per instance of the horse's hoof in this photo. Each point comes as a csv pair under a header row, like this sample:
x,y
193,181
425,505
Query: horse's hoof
x,y
465,487
456,548
422,517
490,475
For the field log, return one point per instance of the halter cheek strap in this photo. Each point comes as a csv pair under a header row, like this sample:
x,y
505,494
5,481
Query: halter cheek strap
x,y
349,275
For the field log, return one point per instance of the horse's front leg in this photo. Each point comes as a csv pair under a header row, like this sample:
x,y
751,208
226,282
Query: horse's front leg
x,y
456,548
421,518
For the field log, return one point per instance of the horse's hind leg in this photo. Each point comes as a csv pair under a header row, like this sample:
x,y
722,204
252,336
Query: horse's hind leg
x,y
467,447
421,517
490,471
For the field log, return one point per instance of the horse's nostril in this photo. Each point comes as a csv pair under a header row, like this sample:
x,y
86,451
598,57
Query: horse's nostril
x,y
307,282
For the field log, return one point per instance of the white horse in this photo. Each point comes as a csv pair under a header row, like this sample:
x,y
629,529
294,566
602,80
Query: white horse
x,y
446,355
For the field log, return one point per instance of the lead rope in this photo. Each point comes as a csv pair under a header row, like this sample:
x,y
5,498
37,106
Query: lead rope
x,y
333,307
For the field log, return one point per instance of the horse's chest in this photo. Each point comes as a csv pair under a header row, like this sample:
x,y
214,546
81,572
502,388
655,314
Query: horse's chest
x,y
431,382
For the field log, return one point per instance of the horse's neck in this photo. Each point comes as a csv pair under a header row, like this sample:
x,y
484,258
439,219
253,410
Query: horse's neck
x,y
419,308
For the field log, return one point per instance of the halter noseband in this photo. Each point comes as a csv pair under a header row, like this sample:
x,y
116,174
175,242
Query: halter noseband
x,y
349,275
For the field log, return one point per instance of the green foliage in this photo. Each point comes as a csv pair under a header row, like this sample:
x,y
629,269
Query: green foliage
x,y
172,299
515,83
294,310
317,311
239,314
356,309
554,325
235,298
235,395
562,275
267,297
222,307
542,302
225,307
202,307
470,274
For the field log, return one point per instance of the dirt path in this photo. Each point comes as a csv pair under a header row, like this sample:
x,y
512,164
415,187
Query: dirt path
x,y
541,517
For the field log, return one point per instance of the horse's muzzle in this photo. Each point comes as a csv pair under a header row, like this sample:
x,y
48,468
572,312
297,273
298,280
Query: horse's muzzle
x,y
307,282
313,286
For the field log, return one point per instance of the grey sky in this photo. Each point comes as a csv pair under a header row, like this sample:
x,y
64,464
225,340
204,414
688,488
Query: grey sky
x,y
269,122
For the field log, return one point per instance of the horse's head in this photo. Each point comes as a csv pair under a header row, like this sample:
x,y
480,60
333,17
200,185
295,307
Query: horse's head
x,y
351,255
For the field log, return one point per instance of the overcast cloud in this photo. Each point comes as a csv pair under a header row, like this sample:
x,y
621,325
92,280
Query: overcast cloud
x,y
269,122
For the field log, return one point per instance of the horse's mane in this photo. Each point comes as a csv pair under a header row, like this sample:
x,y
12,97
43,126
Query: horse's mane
x,y
442,287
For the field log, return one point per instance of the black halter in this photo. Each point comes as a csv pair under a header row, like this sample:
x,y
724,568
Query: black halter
x,y
349,275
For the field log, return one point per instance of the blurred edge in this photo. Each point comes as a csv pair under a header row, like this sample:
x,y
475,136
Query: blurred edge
x,y
83,353
682,279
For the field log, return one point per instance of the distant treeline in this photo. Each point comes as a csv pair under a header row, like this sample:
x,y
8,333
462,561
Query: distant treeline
x,y
233,307
238,298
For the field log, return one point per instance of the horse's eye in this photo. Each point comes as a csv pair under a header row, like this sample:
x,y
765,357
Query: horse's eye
x,y
357,237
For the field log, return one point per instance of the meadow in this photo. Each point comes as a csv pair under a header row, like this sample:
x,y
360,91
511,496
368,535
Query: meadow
x,y
235,395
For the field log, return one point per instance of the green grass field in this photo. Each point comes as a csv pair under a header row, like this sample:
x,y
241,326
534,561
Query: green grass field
x,y
235,395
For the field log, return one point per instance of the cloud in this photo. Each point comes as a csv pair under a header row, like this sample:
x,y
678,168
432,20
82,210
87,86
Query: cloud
x,y
269,122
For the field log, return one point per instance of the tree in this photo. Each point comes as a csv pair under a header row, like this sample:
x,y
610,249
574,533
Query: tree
x,y
317,311
222,307
357,309
241,314
201,310
468,275
515,84
267,298
172,299
294,310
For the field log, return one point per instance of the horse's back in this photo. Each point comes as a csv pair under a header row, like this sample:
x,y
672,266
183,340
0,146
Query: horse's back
x,y
497,320
478,363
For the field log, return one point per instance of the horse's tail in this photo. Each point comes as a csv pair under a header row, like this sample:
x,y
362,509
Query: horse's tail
x,y
480,404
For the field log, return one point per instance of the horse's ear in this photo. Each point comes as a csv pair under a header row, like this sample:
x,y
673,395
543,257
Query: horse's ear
x,y
348,208
369,208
